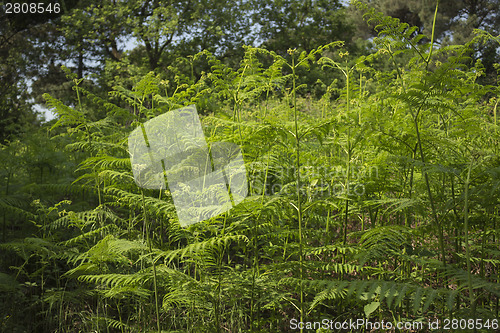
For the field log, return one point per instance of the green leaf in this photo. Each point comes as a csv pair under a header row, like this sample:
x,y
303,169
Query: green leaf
x,y
370,308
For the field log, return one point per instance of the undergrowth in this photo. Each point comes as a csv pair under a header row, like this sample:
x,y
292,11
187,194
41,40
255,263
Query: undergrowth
x,y
380,204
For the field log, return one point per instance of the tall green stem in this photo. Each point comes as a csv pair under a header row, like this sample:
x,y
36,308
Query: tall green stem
x,y
429,193
346,215
432,34
148,240
299,208
466,236
221,248
147,232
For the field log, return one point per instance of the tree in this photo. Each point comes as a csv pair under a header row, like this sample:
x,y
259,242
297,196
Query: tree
x,y
29,42
305,25
455,23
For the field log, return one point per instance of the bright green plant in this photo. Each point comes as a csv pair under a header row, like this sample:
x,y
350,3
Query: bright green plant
x,y
381,204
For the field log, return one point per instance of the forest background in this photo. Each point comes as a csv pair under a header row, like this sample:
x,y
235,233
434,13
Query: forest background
x,y
370,135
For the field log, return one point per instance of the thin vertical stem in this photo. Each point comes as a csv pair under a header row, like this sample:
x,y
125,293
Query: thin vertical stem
x,y
495,115
429,193
467,245
348,174
299,208
148,240
432,34
221,251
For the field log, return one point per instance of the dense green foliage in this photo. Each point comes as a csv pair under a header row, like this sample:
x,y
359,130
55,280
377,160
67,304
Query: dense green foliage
x,y
378,199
